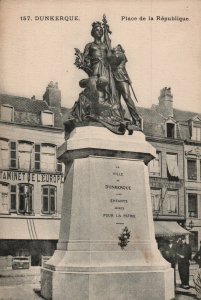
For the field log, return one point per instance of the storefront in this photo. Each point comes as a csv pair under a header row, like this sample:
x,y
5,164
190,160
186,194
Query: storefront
x,y
166,230
33,237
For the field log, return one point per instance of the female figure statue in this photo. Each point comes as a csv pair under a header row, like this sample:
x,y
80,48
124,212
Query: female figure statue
x,y
100,100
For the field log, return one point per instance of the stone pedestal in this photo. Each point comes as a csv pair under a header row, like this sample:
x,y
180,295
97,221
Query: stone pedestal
x,y
107,248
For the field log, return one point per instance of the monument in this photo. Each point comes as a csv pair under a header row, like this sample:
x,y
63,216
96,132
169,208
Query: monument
x,y
107,248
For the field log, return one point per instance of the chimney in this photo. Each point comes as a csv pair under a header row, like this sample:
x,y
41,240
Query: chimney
x,y
165,106
53,95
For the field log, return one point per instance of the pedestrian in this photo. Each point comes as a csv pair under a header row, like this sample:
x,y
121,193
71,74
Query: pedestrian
x,y
197,275
184,253
197,257
170,254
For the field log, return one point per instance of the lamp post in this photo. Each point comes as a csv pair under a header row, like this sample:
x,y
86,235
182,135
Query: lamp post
x,y
191,225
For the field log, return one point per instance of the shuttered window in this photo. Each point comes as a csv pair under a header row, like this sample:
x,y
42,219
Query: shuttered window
x,y
48,199
48,158
4,154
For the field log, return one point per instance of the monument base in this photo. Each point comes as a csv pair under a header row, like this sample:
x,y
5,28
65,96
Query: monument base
x,y
132,285
107,248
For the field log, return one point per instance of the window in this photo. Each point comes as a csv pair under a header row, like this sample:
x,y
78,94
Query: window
x,y
45,158
200,169
25,198
192,205
4,154
47,118
196,133
48,199
172,201
7,113
13,155
25,155
37,157
192,169
59,166
13,198
156,199
48,158
193,241
155,165
170,128
4,192
172,166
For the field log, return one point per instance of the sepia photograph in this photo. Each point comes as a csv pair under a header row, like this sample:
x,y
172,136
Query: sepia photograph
x,y
100,150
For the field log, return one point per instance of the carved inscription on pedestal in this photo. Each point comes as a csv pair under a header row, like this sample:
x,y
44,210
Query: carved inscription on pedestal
x,y
119,195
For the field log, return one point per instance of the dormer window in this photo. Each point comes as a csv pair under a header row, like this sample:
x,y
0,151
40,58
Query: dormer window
x,y
170,127
195,128
196,132
7,113
47,118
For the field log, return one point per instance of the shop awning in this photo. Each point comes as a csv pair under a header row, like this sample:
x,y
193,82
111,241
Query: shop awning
x,y
169,228
29,229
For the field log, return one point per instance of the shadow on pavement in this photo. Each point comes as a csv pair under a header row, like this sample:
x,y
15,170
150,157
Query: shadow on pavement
x,y
37,291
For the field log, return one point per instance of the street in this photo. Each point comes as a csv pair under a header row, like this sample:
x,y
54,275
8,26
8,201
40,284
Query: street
x,y
20,291
25,284
31,291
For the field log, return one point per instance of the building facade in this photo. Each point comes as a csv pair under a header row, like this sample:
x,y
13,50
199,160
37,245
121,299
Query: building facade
x,y
191,129
175,180
31,177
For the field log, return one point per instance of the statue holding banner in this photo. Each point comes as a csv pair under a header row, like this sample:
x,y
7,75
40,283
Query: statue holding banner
x,y
100,244
107,81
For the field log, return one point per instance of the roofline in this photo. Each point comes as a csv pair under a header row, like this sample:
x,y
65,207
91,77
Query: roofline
x,y
164,140
168,218
193,143
37,127
15,96
187,111
147,108
26,98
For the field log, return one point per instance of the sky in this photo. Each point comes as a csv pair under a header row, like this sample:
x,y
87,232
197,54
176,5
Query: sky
x,y
160,54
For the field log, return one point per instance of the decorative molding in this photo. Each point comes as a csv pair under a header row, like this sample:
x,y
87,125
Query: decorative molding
x,y
195,151
164,140
164,182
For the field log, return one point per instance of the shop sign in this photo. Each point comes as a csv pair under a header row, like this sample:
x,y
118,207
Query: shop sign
x,y
31,177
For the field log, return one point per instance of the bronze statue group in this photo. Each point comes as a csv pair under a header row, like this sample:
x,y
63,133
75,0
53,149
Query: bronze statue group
x,y
180,253
107,82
